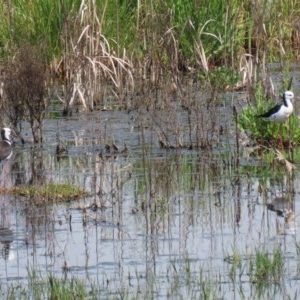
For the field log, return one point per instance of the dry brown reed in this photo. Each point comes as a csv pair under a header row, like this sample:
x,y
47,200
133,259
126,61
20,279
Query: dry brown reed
x,y
25,90
89,65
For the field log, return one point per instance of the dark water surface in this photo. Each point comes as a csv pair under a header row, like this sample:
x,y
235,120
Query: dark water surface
x,y
164,222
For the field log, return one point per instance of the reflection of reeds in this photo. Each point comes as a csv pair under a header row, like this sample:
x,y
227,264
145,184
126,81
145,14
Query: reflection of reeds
x,y
174,197
195,127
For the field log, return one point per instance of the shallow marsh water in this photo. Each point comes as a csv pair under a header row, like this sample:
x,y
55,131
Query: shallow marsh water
x,y
167,223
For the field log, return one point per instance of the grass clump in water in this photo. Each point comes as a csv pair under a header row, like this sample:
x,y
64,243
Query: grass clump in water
x,y
267,267
235,261
53,287
66,289
41,194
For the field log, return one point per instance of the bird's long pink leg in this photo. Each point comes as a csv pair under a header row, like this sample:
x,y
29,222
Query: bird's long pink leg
x,y
280,142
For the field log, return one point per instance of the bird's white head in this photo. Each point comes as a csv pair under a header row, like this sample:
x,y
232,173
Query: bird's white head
x,y
288,95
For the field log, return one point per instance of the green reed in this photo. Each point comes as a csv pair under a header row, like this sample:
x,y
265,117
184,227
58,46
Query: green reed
x,y
218,31
267,267
96,49
182,279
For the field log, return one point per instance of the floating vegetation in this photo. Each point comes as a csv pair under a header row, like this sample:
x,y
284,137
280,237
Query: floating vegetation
x,y
42,194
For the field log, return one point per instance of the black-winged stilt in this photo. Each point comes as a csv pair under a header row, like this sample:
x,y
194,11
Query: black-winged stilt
x,y
6,148
280,112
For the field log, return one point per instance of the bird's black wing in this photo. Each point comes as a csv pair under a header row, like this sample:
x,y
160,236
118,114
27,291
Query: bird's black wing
x,y
5,150
271,112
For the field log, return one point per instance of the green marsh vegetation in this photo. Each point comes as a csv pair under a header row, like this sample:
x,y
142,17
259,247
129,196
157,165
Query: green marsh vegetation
x,y
268,267
50,192
132,55
263,270
52,287
94,49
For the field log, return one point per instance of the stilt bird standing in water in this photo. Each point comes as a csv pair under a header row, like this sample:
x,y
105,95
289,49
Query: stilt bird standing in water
x,y
6,151
281,112
6,148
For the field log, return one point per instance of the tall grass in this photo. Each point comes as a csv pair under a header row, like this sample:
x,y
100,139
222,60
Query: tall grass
x,y
33,23
225,29
89,60
124,48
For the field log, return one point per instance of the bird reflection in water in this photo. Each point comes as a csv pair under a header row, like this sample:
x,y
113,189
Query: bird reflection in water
x,y
284,209
6,239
